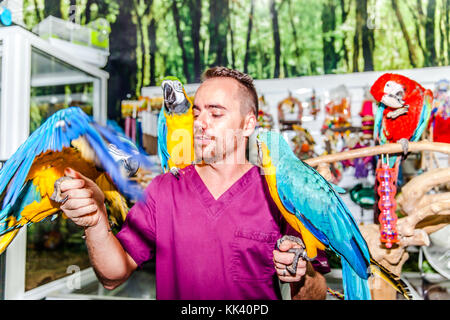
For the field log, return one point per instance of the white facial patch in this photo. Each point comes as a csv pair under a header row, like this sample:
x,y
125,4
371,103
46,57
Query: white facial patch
x,y
393,95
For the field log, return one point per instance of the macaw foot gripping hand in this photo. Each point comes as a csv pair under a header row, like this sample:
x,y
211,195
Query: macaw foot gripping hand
x,y
298,252
56,196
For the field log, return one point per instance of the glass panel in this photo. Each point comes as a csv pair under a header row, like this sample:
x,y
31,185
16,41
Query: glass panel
x,y
2,257
55,247
56,85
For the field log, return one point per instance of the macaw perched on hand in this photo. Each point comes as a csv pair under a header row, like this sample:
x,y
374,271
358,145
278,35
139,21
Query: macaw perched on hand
x,y
30,179
311,205
175,127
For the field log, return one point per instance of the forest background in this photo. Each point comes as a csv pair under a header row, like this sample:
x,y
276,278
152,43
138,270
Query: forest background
x,y
151,39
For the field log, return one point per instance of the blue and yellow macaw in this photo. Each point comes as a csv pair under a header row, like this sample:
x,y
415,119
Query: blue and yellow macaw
x,y
311,205
175,127
29,180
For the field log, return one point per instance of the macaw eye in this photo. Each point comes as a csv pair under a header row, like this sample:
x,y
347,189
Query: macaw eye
x,y
177,86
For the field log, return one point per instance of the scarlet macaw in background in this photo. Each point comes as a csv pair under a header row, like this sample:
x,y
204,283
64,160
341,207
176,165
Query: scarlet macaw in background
x,y
312,206
403,113
175,127
29,180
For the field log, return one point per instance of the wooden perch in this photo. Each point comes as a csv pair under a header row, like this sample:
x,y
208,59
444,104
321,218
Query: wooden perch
x,y
383,149
426,213
417,187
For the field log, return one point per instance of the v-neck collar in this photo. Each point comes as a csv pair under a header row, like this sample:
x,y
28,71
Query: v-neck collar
x,y
215,207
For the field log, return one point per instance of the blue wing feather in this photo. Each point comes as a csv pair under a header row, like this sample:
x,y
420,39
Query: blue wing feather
x,y
423,121
162,141
318,206
55,134
378,121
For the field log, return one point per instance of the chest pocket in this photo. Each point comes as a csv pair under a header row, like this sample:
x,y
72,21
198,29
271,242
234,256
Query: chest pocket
x,y
252,255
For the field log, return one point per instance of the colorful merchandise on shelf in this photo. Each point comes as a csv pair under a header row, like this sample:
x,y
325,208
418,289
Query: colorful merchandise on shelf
x,y
290,110
303,143
265,119
440,115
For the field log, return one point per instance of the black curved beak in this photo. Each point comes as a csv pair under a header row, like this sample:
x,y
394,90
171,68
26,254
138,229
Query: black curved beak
x,y
169,97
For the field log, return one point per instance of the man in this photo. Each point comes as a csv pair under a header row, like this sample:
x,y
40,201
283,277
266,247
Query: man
x,y
213,230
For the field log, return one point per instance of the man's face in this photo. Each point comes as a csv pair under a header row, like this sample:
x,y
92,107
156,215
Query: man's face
x,y
220,126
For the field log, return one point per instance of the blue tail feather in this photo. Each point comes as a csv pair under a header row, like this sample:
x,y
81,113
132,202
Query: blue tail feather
x,y
355,287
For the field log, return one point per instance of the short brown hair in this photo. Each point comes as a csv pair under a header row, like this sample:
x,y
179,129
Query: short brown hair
x,y
245,81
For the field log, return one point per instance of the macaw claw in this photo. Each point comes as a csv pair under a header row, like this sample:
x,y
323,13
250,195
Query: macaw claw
x,y
56,196
405,145
176,172
298,252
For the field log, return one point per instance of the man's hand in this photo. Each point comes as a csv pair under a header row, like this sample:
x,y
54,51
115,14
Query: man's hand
x,y
85,203
282,259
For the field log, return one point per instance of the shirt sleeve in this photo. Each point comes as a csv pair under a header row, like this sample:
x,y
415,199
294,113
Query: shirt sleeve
x,y
320,263
138,233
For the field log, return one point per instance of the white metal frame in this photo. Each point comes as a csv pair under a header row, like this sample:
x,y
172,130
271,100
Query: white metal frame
x,y
17,44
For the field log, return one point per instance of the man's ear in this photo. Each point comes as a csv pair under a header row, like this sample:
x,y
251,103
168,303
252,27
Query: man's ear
x,y
249,124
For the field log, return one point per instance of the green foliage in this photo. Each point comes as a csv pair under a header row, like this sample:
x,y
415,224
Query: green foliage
x,y
300,27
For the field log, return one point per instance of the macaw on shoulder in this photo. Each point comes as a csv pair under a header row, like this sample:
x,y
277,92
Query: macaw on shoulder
x,y
175,127
30,179
312,206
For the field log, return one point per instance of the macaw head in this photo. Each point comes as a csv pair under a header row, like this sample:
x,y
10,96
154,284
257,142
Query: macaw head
x,y
175,98
271,147
396,91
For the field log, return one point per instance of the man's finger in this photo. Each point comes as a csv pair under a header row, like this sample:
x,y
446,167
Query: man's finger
x,y
288,244
77,213
74,204
69,172
71,184
285,258
78,193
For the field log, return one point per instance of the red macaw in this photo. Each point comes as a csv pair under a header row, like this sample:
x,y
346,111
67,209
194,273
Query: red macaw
x,y
403,113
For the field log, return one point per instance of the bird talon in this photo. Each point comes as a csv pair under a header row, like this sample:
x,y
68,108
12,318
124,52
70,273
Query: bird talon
x,y
56,195
405,145
298,252
176,172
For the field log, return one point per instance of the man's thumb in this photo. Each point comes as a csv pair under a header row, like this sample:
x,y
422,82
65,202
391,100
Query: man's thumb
x,y
69,172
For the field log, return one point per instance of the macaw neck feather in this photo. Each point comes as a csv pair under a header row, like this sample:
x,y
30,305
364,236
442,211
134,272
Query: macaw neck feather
x,y
311,242
180,140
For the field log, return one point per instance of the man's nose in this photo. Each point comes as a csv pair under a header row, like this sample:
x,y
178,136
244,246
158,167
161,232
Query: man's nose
x,y
201,122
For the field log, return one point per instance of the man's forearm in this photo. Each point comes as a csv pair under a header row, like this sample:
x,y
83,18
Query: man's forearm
x,y
313,286
109,260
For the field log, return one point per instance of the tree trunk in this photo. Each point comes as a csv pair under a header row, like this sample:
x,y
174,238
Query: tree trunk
x,y
356,38
196,11
344,15
447,24
122,60
230,29
218,28
52,8
295,37
249,33
411,52
367,40
153,50
276,38
429,32
330,57
88,11
184,57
